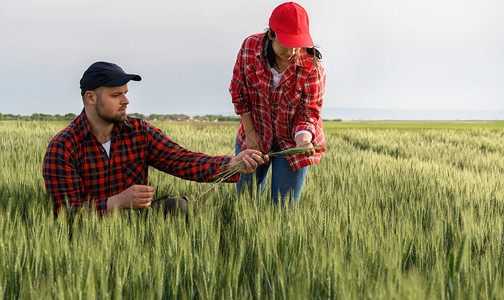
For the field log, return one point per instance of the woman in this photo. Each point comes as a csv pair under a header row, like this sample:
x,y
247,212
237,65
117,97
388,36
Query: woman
x,y
277,88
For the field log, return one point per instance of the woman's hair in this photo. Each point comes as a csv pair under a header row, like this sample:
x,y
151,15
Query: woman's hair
x,y
270,53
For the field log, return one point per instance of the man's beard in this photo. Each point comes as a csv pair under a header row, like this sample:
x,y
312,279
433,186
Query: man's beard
x,y
108,118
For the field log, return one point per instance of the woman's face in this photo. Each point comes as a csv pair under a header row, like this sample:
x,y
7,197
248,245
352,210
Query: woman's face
x,y
281,52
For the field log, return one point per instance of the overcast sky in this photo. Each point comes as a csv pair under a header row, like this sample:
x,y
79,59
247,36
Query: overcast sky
x,y
407,54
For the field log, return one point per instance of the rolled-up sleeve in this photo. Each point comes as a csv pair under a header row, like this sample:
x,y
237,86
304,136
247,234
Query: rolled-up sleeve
x,y
308,114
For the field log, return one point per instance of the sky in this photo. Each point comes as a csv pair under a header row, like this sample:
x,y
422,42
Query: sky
x,y
382,54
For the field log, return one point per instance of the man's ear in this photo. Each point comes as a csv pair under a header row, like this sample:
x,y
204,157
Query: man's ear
x,y
90,98
269,34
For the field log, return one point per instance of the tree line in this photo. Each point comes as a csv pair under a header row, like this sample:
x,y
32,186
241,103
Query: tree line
x,y
151,117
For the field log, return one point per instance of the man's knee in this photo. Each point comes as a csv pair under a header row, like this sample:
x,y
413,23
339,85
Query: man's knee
x,y
171,204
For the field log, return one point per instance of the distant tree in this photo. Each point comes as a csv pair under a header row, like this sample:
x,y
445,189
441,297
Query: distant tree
x,y
46,117
70,116
221,118
138,115
201,118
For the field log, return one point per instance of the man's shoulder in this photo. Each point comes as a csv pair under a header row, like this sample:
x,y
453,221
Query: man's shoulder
x,y
136,123
139,126
66,136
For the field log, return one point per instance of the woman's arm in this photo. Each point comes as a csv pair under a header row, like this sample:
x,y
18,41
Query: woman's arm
x,y
252,138
309,110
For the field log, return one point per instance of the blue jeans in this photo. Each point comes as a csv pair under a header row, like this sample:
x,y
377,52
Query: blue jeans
x,y
284,181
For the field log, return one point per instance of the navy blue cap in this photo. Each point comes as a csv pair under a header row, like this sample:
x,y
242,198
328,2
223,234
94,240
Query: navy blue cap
x,y
107,74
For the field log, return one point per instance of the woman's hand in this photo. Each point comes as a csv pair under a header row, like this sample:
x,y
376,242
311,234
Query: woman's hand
x,y
251,158
303,140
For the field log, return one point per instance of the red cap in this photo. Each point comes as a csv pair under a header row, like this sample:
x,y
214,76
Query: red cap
x,y
290,23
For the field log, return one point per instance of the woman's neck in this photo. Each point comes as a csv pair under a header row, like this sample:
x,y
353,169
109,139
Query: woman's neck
x,y
281,65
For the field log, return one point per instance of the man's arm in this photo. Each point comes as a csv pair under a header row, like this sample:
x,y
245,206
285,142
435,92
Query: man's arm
x,y
62,179
169,157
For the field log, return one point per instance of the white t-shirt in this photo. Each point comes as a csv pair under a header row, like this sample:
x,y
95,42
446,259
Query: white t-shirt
x,y
276,80
106,146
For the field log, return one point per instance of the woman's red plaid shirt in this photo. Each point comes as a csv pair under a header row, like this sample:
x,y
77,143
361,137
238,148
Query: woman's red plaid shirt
x,y
293,106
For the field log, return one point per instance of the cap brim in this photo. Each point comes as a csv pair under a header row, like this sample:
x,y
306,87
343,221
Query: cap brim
x,y
122,80
295,41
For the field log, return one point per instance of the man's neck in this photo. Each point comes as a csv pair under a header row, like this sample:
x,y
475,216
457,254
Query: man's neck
x,y
101,129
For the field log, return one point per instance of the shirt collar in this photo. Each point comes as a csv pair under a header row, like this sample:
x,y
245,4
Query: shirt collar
x,y
83,124
126,124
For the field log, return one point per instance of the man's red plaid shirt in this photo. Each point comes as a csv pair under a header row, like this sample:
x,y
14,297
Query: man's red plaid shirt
x,y
293,106
78,171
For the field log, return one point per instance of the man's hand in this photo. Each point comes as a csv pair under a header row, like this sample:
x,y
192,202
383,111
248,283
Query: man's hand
x,y
136,196
251,158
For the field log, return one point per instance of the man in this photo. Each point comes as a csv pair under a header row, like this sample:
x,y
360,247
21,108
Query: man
x,y
101,159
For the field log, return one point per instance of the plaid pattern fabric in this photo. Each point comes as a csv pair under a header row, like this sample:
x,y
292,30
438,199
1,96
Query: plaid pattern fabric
x,y
78,172
293,106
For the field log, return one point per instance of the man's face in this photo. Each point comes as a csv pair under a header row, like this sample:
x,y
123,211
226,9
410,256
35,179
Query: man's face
x,y
111,105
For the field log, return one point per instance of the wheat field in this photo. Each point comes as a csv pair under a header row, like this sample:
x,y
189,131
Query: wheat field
x,y
389,213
